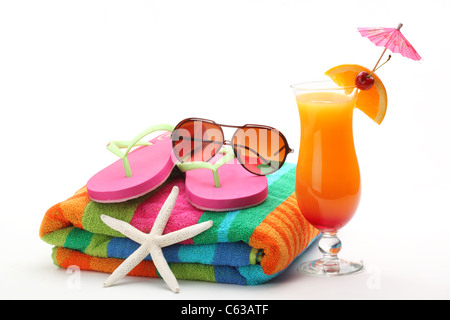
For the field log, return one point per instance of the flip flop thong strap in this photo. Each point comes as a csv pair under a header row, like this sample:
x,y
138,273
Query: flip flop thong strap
x,y
228,155
115,146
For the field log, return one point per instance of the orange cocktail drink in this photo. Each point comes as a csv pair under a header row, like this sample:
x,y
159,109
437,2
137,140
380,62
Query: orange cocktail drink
x,y
328,184
328,180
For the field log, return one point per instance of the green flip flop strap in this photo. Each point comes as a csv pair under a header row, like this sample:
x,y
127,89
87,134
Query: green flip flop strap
x,y
115,146
228,156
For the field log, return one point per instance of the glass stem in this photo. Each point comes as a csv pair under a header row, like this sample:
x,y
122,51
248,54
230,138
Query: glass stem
x,y
330,245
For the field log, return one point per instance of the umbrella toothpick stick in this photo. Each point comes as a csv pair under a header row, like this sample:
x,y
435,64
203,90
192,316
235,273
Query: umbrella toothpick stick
x,y
382,54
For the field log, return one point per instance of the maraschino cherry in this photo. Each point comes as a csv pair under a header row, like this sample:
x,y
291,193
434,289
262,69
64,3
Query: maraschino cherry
x,y
364,80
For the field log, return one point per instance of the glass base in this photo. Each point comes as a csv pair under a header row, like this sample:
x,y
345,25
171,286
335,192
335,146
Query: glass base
x,y
326,268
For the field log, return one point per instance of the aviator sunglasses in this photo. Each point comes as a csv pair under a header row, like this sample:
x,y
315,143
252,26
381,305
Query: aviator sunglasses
x,y
261,150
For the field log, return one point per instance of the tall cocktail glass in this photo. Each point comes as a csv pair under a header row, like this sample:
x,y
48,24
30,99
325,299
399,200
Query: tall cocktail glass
x,y
327,179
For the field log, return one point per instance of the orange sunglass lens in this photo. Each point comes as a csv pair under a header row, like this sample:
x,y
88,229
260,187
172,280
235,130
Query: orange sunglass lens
x,y
196,141
261,151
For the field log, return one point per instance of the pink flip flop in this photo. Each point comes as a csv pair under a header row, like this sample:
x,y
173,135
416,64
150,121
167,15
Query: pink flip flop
x,y
146,168
228,189
138,172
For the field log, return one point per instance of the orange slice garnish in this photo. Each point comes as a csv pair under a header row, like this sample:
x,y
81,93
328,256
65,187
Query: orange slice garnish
x,y
372,102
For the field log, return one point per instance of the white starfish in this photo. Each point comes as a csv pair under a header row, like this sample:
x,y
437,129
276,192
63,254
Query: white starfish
x,y
153,242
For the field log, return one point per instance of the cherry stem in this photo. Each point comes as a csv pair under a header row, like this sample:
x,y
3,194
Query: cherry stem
x,y
379,67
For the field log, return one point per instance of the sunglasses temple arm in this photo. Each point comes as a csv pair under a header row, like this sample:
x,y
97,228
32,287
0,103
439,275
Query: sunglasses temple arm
x,y
265,161
289,150
245,147
199,147
268,162
202,140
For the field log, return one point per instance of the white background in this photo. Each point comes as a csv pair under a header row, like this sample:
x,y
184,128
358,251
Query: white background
x,y
76,74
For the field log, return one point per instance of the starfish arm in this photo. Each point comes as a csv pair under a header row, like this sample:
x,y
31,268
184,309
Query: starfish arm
x,y
124,228
129,264
163,268
164,213
183,234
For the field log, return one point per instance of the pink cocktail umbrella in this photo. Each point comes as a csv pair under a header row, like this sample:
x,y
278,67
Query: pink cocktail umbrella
x,y
392,39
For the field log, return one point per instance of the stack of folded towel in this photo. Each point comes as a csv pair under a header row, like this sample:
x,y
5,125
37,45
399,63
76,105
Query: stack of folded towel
x,y
247,247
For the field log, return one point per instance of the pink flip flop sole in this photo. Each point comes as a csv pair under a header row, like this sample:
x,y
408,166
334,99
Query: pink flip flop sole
x,y
239,188
150,165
